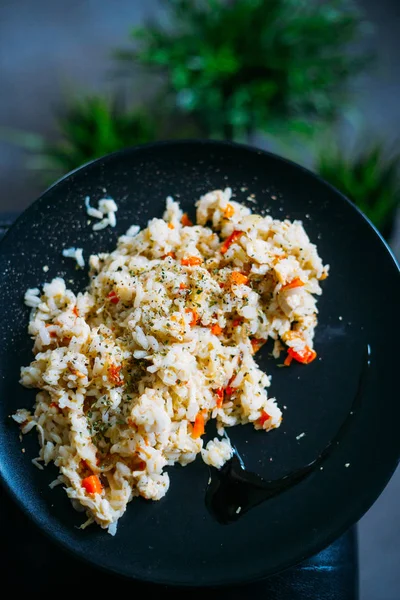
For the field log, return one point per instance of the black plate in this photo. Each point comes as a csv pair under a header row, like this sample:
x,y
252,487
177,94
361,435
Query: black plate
x,y
176,541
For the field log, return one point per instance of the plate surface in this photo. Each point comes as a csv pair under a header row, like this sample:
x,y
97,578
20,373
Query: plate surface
x,y
175,540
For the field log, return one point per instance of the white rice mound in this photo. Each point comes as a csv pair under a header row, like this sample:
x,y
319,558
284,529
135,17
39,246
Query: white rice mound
x,y
162,341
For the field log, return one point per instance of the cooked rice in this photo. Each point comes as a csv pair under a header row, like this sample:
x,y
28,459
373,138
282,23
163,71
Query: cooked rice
x,y
105,212
76,254
163,340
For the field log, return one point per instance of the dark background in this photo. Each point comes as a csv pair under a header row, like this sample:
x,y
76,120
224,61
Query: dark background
x,y
49,49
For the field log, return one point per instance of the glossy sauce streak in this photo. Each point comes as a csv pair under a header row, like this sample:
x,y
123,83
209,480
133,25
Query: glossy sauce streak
x,y
232,490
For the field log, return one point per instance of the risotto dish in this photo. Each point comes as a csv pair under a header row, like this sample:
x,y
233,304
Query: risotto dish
x,y
164,340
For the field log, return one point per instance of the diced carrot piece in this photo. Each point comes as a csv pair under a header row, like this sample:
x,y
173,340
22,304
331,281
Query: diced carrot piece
x,y
296,282
140,465
288,360
229,390
220,397
186,222
171,254
237,322
75,311
195,316
92,484
183,286
264,417
239,278
216,329
305,356
191,261
114,375
171,226
230,240
229,211
256,344
112,296
198,427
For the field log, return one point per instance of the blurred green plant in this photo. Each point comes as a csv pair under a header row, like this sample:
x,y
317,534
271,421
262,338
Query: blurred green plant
x,y
238,66
93,127
87,129
90,127
370,178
